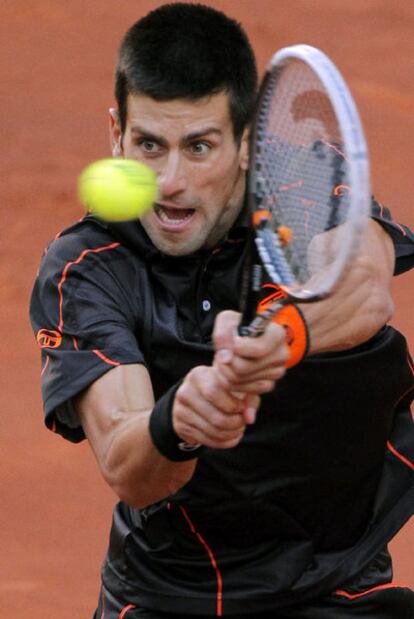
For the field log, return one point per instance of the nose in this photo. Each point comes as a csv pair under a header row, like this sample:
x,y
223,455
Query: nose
x,y
172,178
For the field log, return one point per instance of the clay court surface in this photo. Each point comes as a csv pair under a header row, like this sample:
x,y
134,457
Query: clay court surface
x,y
58,59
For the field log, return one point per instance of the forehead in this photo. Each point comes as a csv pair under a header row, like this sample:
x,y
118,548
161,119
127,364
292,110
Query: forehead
x,y
179,116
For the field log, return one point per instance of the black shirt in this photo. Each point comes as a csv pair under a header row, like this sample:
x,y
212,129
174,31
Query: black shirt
x,y
316,487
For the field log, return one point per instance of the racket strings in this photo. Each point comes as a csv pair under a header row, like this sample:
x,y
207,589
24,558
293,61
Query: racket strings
x,y
301,169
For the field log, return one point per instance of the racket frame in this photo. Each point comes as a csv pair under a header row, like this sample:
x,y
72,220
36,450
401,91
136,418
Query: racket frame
x,y
356,153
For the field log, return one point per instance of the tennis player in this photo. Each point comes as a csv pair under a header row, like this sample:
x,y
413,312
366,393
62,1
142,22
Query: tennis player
x,y
277,502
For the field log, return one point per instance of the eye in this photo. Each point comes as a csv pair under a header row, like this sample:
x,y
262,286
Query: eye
x,y
200,148
149,146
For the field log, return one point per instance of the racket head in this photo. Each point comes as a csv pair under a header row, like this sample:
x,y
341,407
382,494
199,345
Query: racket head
x,y
308,188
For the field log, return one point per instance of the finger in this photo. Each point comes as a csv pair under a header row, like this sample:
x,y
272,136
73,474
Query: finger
x,y
273,339
202,414
258,387
252,403
207,425
241,370
224,332
203,384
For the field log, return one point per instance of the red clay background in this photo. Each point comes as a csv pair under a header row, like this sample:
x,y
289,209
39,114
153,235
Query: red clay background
x,y
58,59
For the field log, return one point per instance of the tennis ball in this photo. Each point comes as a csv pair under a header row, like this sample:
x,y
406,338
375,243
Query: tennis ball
x,y
117,189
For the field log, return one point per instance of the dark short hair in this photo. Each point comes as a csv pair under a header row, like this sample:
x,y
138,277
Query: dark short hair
x,y
187,51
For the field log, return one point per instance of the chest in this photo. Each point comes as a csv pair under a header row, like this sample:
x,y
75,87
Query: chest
x,y
177,304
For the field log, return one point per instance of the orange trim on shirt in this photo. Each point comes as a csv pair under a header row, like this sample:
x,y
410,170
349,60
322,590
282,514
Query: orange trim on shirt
x,y
125,610
219,608
353,596
104,358
399,455
65,272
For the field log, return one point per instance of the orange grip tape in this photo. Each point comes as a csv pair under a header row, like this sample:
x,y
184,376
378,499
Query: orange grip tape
x,y
292,320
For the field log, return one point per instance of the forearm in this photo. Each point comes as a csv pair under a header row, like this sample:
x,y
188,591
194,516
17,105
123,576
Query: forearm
x,y
361,304
114,413
135,469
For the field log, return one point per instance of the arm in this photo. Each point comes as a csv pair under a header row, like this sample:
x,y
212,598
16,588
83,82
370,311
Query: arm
x,y
361,304
115,412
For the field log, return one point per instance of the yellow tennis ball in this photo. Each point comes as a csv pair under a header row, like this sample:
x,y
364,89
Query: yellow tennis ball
x,y
117,189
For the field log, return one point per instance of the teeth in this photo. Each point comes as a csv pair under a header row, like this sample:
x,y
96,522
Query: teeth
x,y
169,220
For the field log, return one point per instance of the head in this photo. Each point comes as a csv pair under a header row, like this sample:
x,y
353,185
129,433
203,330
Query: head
x,y
185,89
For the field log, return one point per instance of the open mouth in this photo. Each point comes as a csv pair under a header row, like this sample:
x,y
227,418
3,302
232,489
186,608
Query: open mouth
x,y
173,216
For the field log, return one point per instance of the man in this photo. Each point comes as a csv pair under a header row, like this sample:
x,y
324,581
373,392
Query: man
x,y
246,489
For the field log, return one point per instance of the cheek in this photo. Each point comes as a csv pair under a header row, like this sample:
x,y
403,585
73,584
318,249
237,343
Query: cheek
x,y
219,178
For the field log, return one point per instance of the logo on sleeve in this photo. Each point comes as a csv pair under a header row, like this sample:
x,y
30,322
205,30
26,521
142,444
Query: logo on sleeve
x,y
47,338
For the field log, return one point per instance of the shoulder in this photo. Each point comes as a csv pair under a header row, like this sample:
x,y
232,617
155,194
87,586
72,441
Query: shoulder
x,y
87,271
87,246
75,242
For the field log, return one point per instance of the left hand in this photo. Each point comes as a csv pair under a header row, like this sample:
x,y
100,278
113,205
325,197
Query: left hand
x,y
248,365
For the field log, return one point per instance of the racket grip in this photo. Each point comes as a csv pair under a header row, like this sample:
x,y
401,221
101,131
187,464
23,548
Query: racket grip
x,y
255,328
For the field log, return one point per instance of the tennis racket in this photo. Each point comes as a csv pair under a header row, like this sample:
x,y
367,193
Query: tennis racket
x,y
308,188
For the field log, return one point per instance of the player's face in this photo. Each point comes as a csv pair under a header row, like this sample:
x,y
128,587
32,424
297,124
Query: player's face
x,y
200,168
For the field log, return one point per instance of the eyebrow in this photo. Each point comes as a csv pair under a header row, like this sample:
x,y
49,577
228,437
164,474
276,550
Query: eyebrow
x,y
136,129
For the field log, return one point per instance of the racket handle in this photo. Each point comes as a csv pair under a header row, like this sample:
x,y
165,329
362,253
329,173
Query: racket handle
x,y
259,323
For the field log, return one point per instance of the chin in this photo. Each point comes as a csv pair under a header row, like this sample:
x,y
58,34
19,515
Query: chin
x,y
174,244
178,248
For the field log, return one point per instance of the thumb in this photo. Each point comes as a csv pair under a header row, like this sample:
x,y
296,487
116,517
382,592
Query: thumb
x,y
224,333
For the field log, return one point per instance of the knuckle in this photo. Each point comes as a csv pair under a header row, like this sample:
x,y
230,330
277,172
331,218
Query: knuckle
x,y
239,367
279,370
276,333
183,395
225,321
210,390
217,421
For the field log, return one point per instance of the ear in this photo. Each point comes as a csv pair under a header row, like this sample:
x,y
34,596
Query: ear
x,y
115,134
244,149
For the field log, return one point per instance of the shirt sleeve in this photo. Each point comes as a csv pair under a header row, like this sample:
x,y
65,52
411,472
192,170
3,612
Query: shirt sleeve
x,y
84,323
401,235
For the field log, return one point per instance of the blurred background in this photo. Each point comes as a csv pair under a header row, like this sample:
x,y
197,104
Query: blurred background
x,y
57,68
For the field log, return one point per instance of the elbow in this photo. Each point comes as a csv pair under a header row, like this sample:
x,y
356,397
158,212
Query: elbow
x,y
380,307
155,480
141,497
372,301
376,285
141,494
117,473
116,479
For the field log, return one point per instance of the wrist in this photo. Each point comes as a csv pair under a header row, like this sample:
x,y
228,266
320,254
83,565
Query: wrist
x,y
162,432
